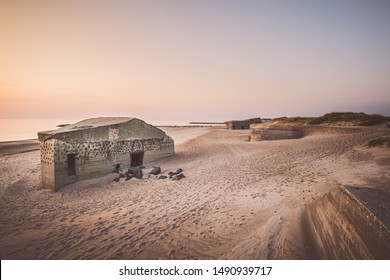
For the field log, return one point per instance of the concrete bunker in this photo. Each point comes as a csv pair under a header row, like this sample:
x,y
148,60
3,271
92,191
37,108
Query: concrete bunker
x,y
95,147
245,124
275,133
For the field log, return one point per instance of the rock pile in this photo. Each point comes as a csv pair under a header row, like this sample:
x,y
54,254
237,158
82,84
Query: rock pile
x,y
136,172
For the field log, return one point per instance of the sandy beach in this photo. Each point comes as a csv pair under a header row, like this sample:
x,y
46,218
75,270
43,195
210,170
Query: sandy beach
x,y
239,199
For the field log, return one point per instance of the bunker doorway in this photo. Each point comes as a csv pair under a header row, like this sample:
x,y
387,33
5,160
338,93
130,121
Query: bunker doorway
x,y
71,164
137,158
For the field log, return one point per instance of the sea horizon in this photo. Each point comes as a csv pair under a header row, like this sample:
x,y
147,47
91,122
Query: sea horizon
x,y
27,129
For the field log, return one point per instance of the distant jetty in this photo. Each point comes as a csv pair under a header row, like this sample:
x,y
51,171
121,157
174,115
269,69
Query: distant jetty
x,y
207,123
235,124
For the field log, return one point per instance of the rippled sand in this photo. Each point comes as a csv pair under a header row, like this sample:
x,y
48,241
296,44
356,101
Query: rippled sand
x,y
239,200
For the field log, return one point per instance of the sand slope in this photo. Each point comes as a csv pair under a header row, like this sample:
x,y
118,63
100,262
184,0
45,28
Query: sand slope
x,y
239,200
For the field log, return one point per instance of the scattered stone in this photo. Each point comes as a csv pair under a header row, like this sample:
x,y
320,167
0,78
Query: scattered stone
x,y
136,172
128,176
178,177
155,170
171,174
154,173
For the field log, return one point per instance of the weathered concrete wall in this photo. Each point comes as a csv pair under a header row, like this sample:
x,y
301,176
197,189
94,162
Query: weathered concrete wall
x,y
340,226
275,133
238,125
95,159
47,162
166,148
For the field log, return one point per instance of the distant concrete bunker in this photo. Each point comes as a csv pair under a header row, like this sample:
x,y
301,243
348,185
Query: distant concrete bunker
x,y
95,147
242,124
275,133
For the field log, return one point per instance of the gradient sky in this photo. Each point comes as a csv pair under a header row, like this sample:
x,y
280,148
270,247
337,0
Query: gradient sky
x,y
193,60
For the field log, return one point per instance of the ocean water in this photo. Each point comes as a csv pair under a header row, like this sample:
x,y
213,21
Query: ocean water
x,y
22,129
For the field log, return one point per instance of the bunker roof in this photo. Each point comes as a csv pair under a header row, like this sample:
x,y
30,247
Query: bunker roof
x,y
89,124
241,121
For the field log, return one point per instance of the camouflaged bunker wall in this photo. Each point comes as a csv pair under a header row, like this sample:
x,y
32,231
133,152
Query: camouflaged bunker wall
x,y
97,151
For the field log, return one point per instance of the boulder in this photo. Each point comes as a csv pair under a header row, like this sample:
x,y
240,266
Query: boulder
x,y
177,172
178,177
136,172
155,170
128,176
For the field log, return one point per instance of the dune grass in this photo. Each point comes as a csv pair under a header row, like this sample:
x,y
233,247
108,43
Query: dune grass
x,y
379,142
293,120
349,118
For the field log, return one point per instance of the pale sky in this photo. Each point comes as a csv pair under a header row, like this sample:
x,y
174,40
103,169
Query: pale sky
x,y
193,60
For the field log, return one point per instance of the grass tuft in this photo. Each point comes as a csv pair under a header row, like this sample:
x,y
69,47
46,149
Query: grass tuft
x,y
379,142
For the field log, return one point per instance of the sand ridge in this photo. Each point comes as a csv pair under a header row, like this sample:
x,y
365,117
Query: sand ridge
x,y
239,200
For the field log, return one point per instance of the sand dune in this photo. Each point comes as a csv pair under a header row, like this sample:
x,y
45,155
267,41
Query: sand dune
x,y
239,200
